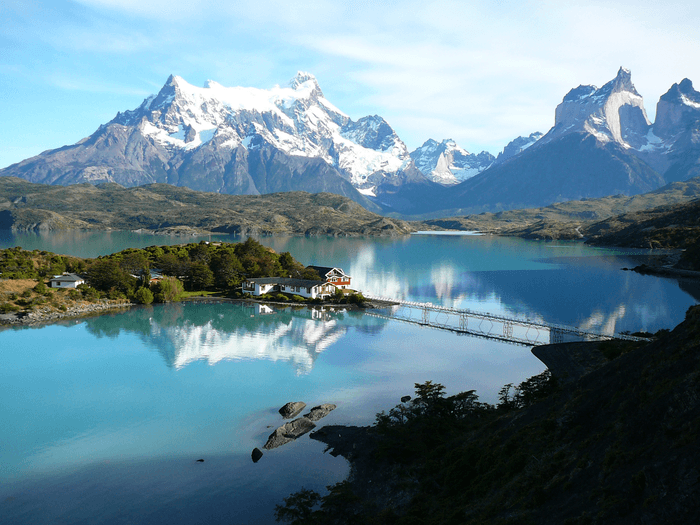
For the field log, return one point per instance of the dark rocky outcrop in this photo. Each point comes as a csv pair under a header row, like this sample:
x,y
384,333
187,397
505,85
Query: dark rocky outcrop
x,y
320,411
289,432
256,455
292,409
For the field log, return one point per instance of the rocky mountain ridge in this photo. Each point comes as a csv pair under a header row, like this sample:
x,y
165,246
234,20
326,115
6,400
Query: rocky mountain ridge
x,y
602,143
234,140
447,163
249,141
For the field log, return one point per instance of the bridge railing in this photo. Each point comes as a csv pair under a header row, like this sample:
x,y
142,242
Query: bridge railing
x,y
504,319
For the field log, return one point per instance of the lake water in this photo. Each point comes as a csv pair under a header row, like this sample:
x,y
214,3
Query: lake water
x,y
103,419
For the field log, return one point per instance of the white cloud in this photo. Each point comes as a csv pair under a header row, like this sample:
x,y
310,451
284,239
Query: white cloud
x,y
479,72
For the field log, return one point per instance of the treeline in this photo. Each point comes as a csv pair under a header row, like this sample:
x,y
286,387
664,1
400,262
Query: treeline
x,y
199,266
127,274
17,263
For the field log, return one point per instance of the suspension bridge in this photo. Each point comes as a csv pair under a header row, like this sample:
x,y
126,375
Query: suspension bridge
x,y
508,329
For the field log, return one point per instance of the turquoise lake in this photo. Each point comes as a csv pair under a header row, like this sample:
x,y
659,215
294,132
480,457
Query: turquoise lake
x,y
103,418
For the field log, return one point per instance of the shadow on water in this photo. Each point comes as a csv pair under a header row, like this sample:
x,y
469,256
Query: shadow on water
x,y
224,488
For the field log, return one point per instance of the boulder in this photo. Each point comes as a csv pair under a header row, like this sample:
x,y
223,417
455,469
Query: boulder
x,y
320,411
289,432
405,399
256,455
292,409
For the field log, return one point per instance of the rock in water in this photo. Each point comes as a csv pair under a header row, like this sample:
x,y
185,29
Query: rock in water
x,y
289,432
292,409
320,411
256,455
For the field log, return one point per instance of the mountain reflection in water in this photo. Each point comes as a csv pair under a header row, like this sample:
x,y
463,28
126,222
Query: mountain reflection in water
x,y
193,331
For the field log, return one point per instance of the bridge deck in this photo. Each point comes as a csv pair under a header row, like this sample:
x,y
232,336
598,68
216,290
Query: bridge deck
x,y
503,328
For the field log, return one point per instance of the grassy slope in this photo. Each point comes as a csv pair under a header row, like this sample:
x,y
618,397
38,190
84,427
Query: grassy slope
x,y
568,220
25,205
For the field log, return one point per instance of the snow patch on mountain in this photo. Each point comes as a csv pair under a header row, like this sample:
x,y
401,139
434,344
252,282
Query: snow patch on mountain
x,y
517,146
447,163
612,113
296,119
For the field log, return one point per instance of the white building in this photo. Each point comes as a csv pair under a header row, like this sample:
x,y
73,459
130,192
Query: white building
x,y
67,280
336,276
302,287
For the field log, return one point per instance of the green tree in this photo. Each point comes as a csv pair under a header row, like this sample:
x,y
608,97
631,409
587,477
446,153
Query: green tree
x,y
227,268
257,260
338,295
167,290
143,296
200,253
134,262
106,274
171,264
199,277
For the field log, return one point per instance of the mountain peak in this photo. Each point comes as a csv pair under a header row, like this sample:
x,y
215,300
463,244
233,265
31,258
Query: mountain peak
x,y
681,93
613,112
300,78
304,80
686,86
677,109
621,82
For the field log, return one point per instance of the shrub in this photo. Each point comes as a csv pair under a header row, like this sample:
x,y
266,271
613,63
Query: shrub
x,y
168,289
23,302
6,308
281,297
41,288
89,293
357,298
298,298
143,296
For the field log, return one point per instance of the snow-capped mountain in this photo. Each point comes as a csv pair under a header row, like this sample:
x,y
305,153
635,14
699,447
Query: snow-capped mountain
x,y
612,113
242,140
615,114
677,150
446,163
297,120
677,110
234,140
602,143
517,146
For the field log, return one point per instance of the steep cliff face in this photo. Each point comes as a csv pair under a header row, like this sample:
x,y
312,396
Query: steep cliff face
x,y
677,110
614,112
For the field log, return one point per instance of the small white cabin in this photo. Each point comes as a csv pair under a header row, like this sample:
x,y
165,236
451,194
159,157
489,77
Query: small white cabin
x,y
66,280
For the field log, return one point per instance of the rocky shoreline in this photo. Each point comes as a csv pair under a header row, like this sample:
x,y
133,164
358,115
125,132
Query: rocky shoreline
x,y
44,315
48,315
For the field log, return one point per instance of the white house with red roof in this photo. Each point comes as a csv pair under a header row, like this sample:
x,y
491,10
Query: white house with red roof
x,y
335,276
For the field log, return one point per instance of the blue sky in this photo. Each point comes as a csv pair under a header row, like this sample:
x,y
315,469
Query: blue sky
x,y
479,72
